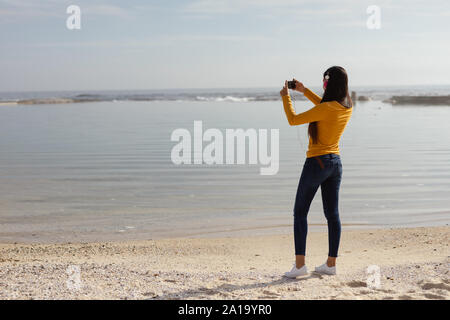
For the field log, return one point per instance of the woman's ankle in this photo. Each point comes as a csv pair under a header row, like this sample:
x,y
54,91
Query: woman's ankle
x,y
331,262
299,261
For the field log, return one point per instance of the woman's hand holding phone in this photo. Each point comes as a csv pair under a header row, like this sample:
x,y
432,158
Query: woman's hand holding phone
x,y
284,91
298,87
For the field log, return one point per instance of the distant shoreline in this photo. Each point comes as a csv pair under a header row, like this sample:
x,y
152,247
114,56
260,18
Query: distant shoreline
x,y
430,100
394,100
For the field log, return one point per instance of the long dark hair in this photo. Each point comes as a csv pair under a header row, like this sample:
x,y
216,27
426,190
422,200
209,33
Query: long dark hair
x,y
336,90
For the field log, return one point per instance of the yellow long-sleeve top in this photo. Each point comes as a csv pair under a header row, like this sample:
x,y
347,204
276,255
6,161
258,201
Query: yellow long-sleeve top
x,y
331,117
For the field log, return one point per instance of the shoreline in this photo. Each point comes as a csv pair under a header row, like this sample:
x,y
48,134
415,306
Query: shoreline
x,y
414,264
132,233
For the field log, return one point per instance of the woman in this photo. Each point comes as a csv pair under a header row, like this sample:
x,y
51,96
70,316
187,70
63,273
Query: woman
x,y
327,121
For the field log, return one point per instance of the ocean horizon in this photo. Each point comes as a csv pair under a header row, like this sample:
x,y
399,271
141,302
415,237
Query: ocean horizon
x,y
208,94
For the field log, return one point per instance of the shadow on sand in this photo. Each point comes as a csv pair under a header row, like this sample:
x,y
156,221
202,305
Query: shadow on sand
x,y
225,289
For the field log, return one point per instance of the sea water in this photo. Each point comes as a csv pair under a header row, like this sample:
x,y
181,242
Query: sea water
x,y
103,171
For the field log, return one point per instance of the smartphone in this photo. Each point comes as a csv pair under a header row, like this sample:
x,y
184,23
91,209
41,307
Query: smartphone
x,y
291,84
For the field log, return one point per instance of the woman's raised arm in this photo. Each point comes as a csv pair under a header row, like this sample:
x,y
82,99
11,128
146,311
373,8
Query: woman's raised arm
x,y
314,114
314,98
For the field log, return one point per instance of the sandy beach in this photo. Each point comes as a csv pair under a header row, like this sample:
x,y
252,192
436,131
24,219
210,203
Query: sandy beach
x,y
414,264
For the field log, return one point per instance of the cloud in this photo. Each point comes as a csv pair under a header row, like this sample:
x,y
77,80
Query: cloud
x,y
27,9
236,6
106,10
282,10
210,7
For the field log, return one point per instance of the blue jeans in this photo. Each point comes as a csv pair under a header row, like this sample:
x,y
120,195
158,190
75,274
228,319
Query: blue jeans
x,y
326,172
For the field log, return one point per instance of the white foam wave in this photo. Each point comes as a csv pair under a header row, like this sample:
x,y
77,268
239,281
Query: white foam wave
x,y
225,99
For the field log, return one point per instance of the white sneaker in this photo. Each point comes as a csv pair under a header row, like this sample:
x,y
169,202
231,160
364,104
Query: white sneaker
x,y
324,269
294,273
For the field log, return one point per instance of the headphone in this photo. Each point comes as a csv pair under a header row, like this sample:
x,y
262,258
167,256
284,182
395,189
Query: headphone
x,y
298,127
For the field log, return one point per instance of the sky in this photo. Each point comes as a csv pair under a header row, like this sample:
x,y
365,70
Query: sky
x,y
220,44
